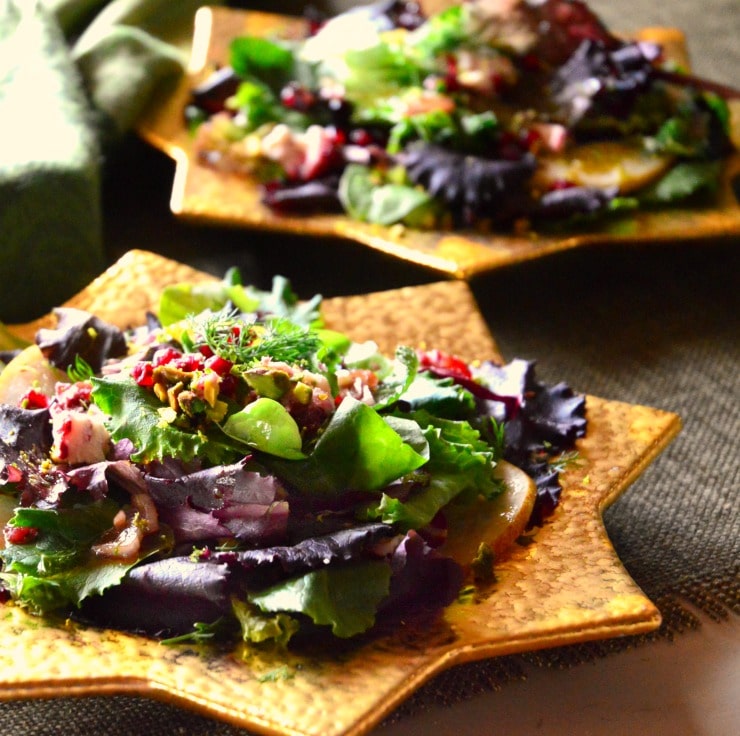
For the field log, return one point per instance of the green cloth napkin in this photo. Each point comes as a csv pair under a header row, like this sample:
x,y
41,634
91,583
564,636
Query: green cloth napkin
x,y
75,75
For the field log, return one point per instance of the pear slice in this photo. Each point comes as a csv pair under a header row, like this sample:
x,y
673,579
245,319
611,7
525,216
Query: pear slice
x,y
28,370
496,523
627,166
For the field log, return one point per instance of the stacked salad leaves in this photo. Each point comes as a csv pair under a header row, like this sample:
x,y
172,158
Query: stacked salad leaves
x,y
233,468
505,115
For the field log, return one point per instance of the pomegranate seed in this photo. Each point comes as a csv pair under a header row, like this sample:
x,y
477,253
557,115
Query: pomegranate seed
x,y
361,137
34,400
530,138
13,474
219,365
497,83
560,184
450,78
531,63
143,374
228,385
190,362
20,534
165,355
338,137
296,97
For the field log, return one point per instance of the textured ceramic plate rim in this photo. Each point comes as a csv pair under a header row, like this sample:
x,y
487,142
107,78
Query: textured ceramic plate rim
x,y
204,196
349,697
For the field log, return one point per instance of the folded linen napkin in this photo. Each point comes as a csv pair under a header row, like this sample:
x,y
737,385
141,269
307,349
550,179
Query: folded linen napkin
x,y
74,77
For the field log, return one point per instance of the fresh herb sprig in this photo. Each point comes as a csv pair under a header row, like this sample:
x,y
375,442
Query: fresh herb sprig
x,y
80,370
228,336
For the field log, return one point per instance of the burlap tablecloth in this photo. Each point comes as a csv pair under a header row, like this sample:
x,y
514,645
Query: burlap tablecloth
x,y
649,324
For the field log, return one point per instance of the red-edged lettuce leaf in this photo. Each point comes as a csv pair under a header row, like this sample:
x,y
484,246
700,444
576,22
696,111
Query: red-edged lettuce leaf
x,y
549,422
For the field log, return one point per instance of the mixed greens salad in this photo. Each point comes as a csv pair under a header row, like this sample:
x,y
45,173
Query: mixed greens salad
x,y
504,114
232,468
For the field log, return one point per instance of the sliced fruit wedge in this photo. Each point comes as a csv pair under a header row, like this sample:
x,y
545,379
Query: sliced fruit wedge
x,y
603,165
495,523
28,370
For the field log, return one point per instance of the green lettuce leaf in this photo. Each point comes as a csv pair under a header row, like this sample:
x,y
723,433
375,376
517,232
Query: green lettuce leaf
x,y
135,413
266,425
460,467
684,180
252,56
258,627
383,204
439,396
345,598
358,451
443,32
57,569
183,300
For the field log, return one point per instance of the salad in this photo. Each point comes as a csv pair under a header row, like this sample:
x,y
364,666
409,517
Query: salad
x,y
511,115
234,470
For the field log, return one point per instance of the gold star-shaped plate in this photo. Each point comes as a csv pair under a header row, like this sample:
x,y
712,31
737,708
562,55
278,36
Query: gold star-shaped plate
x,y
204,195
566,586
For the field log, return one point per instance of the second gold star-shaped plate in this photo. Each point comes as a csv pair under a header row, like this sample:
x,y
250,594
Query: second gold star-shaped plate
x,y
207,196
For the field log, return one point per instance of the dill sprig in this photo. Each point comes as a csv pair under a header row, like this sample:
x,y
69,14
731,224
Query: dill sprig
x,y
566,461
247,343
80,370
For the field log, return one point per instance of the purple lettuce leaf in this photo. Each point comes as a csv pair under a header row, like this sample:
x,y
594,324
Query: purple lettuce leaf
x,y
23,431
422,578
564,203
602,81
471,187
164,597
344,545
549,422
223,501
25,440
79,333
